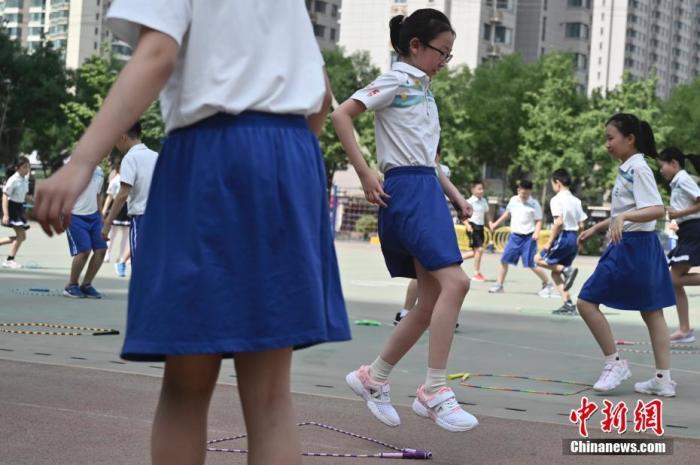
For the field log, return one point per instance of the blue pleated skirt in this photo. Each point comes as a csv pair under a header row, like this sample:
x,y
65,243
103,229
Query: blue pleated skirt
x,y
235,251
631,275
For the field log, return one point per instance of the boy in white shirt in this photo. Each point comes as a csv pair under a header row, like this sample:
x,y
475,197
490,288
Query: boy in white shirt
x,y
136,171
475,227
525,215
559,252
84,236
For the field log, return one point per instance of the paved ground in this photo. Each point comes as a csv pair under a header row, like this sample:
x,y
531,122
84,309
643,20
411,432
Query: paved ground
x,y
70,400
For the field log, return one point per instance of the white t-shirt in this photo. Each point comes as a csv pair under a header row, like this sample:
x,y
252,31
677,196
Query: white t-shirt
x,y
406,124
114,186
684,193
136,170
479,208
523,215
635,188
234,56
87,201
16,188
567,206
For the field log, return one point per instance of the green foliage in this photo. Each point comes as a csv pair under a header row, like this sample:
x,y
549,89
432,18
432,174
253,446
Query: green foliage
x,y
366,224
682,114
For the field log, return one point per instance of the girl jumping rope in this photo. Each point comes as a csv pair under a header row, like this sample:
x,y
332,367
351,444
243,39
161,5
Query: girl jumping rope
x,y
243,88
415,227
632,274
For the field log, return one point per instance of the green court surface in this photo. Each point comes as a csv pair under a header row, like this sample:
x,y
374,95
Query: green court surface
x,y
512,334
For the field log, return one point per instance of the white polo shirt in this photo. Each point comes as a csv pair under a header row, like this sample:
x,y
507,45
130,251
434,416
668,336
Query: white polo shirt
x,y
234,56
479,208
567,206
635,188
87,201
406,124
136,170
684,193
523,215
17,187
114,186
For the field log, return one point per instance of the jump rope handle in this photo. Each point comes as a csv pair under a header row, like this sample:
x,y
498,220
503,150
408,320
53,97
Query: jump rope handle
x,y
416,454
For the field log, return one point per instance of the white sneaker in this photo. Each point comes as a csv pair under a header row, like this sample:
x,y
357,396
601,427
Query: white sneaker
x,y
443,409
375,394
657,387
496,289
547,291
614,373
11,264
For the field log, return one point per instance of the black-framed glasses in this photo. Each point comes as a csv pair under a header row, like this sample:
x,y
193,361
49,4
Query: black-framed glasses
x,y
446,57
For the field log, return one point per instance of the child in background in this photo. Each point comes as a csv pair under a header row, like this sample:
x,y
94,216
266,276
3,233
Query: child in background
x,y
475,227
14,194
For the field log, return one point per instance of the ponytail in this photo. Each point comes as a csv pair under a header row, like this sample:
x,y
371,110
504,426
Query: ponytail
x,y
424,24
694,160
645,140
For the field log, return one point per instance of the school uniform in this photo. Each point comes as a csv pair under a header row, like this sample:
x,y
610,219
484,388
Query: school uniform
x,y
84,232
564,249
136,170
16,189
477,221
122,219
238,152
521,245
416,222
633,274
684,193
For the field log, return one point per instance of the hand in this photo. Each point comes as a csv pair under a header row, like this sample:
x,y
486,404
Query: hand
x,y
673,214
585,235
492,226
673,226
616,225
373,188
105,231
536,235
468,226
56,196
547,245
6,220
463,208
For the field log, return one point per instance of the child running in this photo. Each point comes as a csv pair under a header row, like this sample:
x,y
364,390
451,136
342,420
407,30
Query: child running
x,y
14,194
243,88
559,252
85,236
415,226
525,215
632,273
685,211
475,227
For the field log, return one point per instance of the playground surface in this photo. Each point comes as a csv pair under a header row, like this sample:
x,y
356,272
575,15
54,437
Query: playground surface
x,y
71,400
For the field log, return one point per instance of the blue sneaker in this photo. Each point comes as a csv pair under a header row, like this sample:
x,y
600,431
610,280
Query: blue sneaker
x,y
89,291
121,269
73,291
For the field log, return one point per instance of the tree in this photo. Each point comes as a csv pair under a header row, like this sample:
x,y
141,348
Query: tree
x,y
682,114
549,133
346,74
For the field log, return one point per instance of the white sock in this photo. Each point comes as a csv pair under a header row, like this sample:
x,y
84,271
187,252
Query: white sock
x,y
435,378
664,375
612,358
380,370
403,312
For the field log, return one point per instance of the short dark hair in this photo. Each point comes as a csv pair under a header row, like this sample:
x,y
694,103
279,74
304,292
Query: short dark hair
x,y
672,153
424,24
629,124
134,131
475,183
21,161
562,176
525,184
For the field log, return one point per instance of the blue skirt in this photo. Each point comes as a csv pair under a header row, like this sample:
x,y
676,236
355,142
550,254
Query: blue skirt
x,y
631,275
416,223
235,249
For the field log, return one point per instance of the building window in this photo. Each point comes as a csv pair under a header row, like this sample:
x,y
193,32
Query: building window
x,y
319,30
332,36
487,32
334,11
581,61
576,31
14,4
320,6
503,35
579,4
544,28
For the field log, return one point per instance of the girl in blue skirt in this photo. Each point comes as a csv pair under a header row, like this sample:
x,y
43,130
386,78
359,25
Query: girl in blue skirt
x,y
632,273
685,210
243,93
415,226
